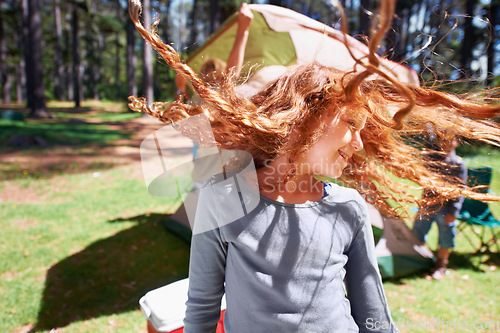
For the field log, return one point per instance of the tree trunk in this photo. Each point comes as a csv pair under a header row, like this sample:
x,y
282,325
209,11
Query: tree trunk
x,y
131,58
275,2
468,40
21,82
159,68
94,53
68,66
147,65
391,37
70,81
77,78
3,51
364,18
193,36
401,46
166,33
118,68
58,54
34,68
98,70
215,16
20,71
4,74
92,65
118,59
397,36
493,17
27,52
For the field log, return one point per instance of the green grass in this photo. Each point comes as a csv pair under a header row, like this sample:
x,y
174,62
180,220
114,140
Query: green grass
x,y
114,117
94,104
469,293
105,116
465,297
71,126
85,252
88,243
81,252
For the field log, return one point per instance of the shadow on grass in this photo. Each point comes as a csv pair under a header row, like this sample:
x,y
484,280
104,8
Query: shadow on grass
x,y
461,260
458,260
473,261
110,275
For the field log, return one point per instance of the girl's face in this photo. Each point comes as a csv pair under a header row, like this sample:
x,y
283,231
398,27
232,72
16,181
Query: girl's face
x,y
331,154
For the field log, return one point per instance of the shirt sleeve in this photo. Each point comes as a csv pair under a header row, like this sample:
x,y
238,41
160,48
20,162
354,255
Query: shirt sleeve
x,y
455,206
206,280
364,283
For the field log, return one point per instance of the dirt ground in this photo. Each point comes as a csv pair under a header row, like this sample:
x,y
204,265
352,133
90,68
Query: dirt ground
x,y
55,160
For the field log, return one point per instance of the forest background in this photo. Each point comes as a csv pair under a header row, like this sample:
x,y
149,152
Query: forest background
x,y
88,49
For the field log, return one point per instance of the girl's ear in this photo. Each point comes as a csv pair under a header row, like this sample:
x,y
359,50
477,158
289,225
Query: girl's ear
x,y
295,132
295,136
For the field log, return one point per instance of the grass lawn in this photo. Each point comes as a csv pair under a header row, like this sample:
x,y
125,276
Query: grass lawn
x,y
81,244
84,251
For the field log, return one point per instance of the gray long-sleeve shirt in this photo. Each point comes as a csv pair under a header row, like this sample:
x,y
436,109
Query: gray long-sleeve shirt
x,y
283,266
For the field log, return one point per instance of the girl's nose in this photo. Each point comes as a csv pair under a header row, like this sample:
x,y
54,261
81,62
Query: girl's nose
x,y
357,142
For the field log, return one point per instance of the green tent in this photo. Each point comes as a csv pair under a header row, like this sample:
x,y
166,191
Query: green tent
x,y
265,47
279,36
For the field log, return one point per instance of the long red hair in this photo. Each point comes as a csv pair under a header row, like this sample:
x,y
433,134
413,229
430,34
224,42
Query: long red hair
x,y
297,101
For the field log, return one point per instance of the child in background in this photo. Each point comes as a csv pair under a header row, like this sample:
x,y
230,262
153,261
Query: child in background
x,y
303,259
445,213
212,72
213,69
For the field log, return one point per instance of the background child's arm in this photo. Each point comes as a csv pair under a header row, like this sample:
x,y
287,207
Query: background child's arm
x,y
454,206
235,59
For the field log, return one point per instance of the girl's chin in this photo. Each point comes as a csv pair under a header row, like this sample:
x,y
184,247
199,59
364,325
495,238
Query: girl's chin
x,y
335,171
332,174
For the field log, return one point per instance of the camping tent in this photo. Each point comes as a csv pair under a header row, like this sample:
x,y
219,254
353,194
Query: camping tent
x,y
398,250
282,37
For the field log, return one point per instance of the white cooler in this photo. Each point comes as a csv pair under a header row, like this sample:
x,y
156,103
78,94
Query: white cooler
x,y
164,307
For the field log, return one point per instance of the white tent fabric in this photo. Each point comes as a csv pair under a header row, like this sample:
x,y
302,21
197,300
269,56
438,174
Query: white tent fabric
x,y
315,41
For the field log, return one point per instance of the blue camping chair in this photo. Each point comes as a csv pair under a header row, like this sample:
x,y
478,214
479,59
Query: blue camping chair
x,y
476,215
